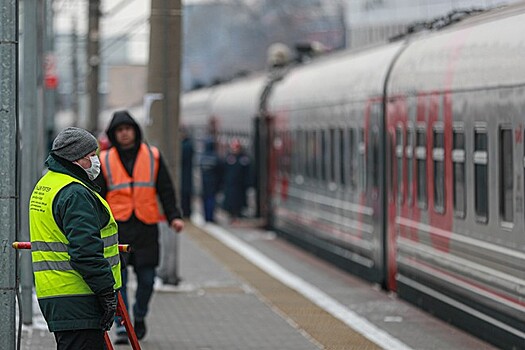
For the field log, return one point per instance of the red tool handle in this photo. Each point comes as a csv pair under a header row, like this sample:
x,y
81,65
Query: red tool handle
x,y
126,248
22,245
122,312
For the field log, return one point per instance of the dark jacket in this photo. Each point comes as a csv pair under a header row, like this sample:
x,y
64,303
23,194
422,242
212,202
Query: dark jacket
x,y
212,169
80,216
186,184
236,182
142,237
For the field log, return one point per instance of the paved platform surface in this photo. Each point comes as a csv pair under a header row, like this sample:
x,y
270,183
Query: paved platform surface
x,y
223,302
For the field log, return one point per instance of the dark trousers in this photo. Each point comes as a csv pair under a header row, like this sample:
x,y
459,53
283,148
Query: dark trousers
x,y
145,280
80,339
209,207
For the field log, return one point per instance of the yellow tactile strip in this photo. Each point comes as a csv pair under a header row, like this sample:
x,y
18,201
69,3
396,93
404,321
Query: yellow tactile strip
x,y
326,330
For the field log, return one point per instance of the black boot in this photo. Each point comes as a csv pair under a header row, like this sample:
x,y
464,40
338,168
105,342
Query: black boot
x,y
140,329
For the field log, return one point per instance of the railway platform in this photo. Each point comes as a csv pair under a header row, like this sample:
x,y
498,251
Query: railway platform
x,y
244,288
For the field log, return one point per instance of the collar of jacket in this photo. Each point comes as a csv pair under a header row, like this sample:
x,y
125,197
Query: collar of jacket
x,y
61,165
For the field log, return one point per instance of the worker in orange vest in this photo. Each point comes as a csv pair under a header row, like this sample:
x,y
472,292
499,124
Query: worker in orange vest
x,y
133,176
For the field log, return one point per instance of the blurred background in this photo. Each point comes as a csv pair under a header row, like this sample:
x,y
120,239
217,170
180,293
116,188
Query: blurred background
x,y
222,39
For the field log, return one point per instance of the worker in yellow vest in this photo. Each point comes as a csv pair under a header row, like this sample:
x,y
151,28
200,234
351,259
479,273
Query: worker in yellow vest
x,y
74,245
134,180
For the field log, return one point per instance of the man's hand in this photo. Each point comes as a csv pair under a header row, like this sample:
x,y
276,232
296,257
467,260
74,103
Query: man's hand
x,y
108,302
177,224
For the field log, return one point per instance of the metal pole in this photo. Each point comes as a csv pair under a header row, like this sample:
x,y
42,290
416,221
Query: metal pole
x,y
93,61
8,153
74,71
49,50
28,143
164,77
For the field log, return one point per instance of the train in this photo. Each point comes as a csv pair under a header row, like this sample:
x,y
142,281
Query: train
x,y
402,163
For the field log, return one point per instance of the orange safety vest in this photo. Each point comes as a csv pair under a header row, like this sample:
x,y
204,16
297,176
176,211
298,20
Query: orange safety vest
x,y
132,194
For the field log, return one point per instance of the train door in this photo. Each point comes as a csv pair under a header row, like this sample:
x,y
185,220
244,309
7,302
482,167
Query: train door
x,y
375,172
264,166
396,183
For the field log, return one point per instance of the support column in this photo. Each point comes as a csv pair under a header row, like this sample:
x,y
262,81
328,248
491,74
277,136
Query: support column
x,y
164,78
8,153
93,62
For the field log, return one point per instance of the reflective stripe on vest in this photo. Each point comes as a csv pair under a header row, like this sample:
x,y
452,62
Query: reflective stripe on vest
x,y
132,194
54,275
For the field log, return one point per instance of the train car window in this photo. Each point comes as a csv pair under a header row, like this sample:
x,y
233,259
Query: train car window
x,y
312,153
285,152
249,144
421,165
374,156
458,172
320,161
323,156
332,151
281,151
399,156
481,175
308,153
391,165
351,161
289,155
343,157
278,144
438,157
506,181
361,149
303,151
409,150
315,154
293,151
300,152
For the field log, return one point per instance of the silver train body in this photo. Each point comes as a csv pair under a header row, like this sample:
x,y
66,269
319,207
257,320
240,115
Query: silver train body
x,y
401,163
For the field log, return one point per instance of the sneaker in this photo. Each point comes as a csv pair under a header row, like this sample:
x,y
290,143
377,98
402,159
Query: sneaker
x,y
140,329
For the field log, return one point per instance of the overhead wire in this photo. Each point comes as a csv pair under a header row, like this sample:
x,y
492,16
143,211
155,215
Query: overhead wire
x,y
129,30
132,27
117,8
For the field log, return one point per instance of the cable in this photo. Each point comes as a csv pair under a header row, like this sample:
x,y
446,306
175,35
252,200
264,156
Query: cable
x,y
133,26
17,287
115,9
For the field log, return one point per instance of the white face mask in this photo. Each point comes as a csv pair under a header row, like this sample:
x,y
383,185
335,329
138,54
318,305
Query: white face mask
x,y
94,169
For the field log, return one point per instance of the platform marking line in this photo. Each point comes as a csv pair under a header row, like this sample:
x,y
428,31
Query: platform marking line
x,y
315,295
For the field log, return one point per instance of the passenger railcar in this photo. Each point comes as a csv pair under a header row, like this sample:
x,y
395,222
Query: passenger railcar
x,y
402,163
455,135
328,190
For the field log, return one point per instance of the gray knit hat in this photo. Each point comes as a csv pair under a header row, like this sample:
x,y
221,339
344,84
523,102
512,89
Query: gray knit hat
x,y
74,143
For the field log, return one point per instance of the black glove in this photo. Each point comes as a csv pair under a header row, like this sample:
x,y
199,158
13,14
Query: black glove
x,y
108,302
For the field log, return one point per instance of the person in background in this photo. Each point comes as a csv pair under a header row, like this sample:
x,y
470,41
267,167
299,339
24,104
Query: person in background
x,y
236,180
186,186
74,245
134,175
211,167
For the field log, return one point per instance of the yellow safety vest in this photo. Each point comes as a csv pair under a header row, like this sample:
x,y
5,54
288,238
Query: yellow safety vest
x,y
54,275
